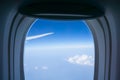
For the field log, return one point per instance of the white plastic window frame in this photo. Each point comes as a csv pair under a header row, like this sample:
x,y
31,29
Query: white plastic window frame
x,y
16,33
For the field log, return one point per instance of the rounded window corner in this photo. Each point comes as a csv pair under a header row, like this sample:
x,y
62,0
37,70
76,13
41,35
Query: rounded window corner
x,y
22,24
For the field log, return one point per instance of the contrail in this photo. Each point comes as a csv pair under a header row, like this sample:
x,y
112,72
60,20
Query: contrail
x,y
39,36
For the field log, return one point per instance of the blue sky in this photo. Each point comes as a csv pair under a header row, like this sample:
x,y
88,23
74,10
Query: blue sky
x,y
62,50
63,32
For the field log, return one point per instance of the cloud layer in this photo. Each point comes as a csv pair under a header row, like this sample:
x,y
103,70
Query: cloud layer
x,y
81,60
39,36
41,68
44,68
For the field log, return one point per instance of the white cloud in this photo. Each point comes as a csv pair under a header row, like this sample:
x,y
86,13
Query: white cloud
x,y
36,68
44,68
81,60
39,36
25,64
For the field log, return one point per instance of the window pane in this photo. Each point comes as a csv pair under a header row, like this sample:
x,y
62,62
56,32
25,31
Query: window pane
x,y
59,50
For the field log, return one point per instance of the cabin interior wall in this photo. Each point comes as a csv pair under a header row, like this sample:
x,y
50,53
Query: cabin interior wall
x,y
113,16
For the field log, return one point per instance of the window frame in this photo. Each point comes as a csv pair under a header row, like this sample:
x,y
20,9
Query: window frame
x,y
102,38
18,28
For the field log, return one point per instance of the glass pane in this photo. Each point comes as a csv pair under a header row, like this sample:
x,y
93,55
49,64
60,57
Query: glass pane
x,y
59,50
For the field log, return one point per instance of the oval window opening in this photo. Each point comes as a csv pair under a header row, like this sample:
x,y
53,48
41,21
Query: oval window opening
x,y
59,50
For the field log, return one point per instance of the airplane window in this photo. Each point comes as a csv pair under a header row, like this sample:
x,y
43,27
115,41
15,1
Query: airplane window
x,y
59,50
